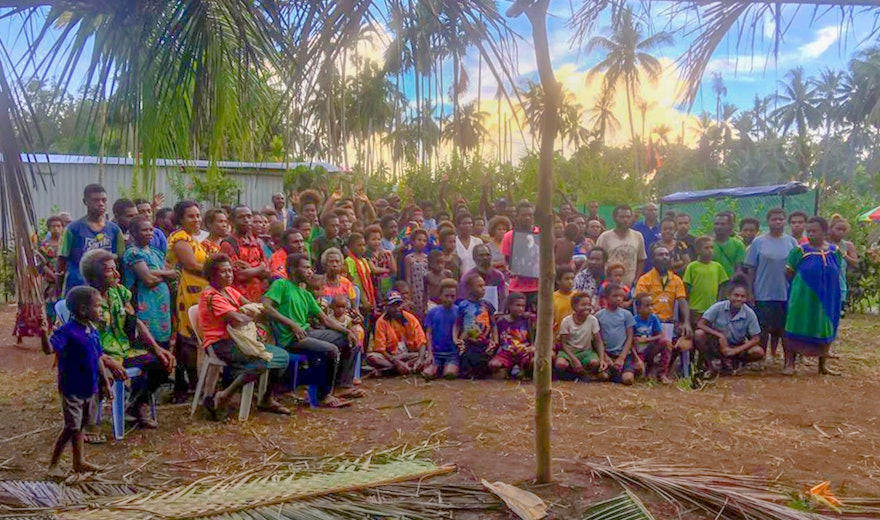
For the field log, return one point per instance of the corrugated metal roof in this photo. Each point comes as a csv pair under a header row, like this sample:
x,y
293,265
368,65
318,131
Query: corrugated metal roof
x,y
127,161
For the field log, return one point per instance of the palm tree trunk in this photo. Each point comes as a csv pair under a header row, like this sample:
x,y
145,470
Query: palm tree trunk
x,y
537,15
632,130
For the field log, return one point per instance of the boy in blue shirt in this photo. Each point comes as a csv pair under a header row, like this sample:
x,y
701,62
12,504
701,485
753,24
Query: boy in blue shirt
x,y
439,324
616,325
649,341
77,348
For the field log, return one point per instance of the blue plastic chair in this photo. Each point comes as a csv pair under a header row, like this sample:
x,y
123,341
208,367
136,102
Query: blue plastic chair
x,y
117,406
61,311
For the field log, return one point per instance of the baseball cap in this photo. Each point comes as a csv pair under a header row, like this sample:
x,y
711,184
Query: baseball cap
x,y
393,298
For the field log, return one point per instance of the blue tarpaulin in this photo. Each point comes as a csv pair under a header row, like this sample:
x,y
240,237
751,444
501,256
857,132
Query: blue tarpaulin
x,y
792,188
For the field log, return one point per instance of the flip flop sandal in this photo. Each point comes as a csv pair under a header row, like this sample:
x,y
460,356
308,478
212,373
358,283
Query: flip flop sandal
x,y
277,408
354,393
94,438
336,403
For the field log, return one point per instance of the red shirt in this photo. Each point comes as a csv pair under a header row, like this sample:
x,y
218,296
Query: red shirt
x,y
250,252
213,305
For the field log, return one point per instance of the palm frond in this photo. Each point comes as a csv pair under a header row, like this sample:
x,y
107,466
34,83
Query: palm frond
x,y
626,506
383,484
724,495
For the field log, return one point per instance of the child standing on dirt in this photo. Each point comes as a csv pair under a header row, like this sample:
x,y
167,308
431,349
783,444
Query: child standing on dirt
x,y
616,324
77,348
562,296
439,326
703,279
581,347
475,332
649,341
516,348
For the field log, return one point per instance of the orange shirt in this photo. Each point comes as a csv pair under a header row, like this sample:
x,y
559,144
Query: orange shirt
x,y
664,293
278,264
392,335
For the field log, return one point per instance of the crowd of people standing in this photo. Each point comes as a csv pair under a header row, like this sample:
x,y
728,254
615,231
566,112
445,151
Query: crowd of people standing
x,y
387,287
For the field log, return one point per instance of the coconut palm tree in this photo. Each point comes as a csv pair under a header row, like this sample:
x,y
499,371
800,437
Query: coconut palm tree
x,y
627,59
602,116
798,110
720,91
830,98
470,131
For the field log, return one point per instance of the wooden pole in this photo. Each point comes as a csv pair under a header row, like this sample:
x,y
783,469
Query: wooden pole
x,y
537,15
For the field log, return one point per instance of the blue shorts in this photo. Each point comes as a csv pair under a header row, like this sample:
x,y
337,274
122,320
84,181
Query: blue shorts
x,y
441,359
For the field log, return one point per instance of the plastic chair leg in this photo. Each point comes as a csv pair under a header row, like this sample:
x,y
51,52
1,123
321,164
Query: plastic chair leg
x,y
264,385
118,410
203,374
357,365
686,363
154,414
247,395
313,396
295,374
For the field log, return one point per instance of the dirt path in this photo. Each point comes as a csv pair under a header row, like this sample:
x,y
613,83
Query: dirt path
x,y
803,429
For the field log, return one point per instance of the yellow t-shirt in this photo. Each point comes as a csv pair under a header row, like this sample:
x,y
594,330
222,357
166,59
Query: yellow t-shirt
x,y
561,309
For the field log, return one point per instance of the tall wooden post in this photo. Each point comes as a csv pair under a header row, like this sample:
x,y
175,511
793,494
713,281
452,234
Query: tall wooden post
x,y
537,15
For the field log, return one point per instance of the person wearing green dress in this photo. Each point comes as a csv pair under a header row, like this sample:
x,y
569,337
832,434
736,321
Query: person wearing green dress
x,y
145,275
814,298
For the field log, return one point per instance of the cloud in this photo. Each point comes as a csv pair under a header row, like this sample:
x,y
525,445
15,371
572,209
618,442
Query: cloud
x,y
825,38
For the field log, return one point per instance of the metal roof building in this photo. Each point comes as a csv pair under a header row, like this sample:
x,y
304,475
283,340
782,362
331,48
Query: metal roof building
x,y
61,179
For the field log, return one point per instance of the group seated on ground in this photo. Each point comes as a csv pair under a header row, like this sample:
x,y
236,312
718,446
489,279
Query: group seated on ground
x,y
362,288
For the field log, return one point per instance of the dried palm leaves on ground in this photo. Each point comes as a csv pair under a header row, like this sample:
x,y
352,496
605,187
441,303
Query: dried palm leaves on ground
x,y
377,484
723,495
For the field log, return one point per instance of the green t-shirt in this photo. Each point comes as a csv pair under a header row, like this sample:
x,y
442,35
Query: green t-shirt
x,y
729,254
293,302
703,281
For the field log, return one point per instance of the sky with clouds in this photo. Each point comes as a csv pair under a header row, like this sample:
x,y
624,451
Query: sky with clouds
x,y
745,59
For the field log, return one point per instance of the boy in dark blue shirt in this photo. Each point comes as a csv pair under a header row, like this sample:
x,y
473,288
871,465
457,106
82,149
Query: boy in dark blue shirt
x,y
77,348
439,324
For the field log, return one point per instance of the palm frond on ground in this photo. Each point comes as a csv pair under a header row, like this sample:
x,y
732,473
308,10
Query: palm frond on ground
x,y
729,496
375,484
626,506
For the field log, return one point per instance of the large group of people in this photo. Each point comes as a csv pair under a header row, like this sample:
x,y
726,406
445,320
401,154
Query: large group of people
x,y
381,287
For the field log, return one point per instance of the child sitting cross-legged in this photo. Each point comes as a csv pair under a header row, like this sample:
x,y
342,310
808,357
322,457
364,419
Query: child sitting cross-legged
x,y
77,347
649,341
475,332
516,348
439,325
616,324
582,349
399,344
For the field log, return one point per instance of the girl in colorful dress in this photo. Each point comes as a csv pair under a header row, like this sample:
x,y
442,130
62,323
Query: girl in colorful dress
x,y
415,271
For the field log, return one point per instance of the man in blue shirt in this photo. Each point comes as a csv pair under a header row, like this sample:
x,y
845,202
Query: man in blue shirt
x,y
766,259
650,230
93,231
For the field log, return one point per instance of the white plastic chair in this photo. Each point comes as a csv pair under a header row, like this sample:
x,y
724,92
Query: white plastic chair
x,y
211,361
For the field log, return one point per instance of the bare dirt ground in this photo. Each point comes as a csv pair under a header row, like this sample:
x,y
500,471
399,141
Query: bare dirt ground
x,y
802,429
